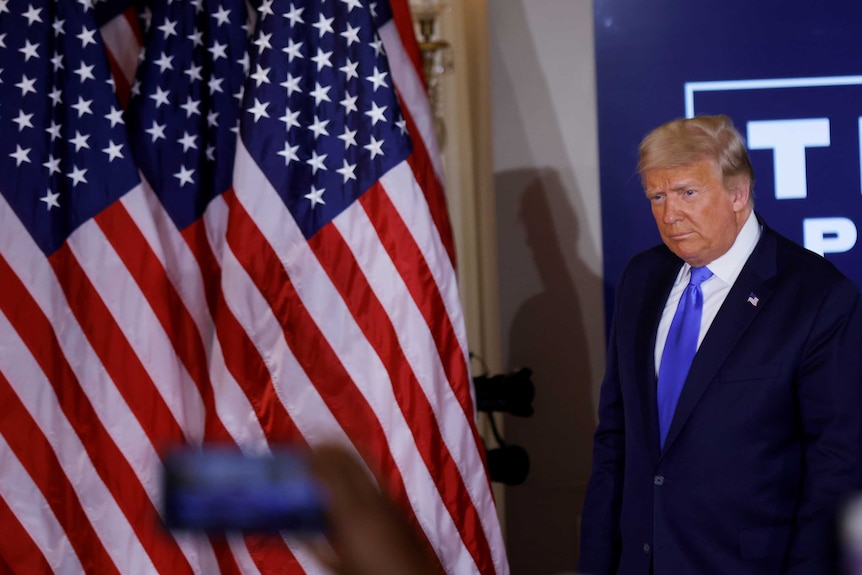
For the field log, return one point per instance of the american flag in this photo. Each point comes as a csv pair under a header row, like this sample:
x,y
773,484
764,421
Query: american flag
x,y
222,223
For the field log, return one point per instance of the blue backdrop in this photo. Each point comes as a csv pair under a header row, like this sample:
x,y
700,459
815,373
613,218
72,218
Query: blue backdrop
x,y
789,74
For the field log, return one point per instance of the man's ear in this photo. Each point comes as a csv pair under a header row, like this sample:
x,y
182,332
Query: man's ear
x,y
739,189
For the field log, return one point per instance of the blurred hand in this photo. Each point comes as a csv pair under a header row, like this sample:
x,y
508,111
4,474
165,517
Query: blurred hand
x,y
367,534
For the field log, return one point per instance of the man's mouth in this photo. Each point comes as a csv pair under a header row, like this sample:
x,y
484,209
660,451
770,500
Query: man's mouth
x,y
679,235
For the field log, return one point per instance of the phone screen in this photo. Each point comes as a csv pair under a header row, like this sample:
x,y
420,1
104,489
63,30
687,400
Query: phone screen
x,y
221,489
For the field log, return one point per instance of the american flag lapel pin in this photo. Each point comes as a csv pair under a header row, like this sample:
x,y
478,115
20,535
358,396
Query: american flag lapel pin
x,y
753,299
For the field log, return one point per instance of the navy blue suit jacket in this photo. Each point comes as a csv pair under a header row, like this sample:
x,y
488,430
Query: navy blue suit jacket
x,y
766,440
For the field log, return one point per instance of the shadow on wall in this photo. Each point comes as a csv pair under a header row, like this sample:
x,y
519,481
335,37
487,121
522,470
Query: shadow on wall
x,y
547,334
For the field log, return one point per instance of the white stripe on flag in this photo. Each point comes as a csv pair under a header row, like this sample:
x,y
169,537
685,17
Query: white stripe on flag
x,y
414,211
34,513
140,326
295,391
412,92
215,223
120,40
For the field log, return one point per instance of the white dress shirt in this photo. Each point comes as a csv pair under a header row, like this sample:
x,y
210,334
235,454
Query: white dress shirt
x,y
725,270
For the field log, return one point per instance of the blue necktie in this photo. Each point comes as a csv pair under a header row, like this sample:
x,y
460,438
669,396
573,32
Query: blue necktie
x,y
679,349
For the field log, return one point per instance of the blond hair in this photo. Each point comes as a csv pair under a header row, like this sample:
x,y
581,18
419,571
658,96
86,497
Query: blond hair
x,y
687,141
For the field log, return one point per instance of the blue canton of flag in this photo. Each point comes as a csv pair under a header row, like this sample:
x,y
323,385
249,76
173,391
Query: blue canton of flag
x,y
63,158
321,116
184,110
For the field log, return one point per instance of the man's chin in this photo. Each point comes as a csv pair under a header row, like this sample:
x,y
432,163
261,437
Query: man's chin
x,y
691,257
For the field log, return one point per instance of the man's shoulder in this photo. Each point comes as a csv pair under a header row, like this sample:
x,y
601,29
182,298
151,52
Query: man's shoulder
x,y
656,266
793,259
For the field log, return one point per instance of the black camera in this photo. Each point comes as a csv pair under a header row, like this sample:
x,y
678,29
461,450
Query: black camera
x,y
511,393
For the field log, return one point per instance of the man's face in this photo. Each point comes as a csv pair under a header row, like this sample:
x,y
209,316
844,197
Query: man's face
x,y
697,217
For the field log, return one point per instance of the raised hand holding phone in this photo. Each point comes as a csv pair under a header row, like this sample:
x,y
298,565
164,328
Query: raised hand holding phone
x,y
325,491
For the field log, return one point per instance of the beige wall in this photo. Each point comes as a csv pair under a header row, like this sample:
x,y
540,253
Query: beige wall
x,y
545,164
522,179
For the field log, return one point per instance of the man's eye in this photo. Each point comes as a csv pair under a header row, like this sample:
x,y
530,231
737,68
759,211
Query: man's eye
x,y
656,197
689,192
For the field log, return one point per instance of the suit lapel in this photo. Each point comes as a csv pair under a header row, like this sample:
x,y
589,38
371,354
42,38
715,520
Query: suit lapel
x,y
733,318
655,290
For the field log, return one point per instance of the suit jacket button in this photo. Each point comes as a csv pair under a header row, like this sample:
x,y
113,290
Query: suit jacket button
x,y
646,548
658,480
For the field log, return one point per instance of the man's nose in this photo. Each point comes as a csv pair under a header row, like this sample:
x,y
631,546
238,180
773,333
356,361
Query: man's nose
x,y
670,211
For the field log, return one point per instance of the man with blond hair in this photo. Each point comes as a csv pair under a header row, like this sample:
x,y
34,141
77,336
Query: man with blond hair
x,y
730,418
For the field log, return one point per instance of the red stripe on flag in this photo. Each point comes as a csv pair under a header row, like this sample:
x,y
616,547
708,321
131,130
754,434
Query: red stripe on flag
x,y
115,352
423,169
151,277
412,267
195,236
131,16
315,355
404,23
38,335
36,456
272,555
227,564
18,552
342,268
241,357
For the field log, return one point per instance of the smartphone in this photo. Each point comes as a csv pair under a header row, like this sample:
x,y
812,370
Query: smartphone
x,y
219,489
